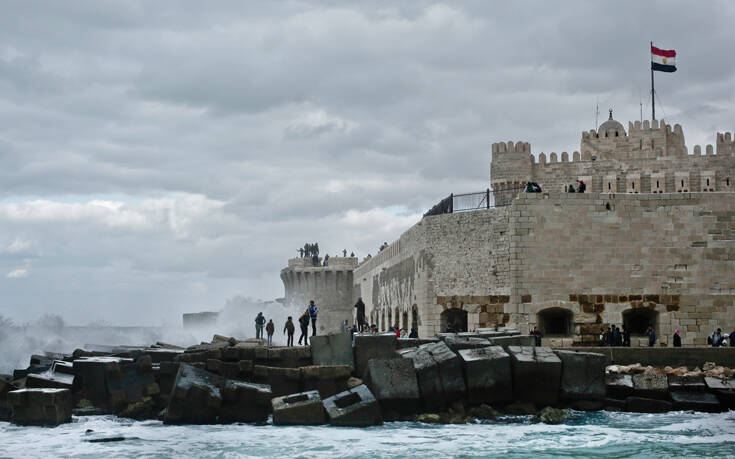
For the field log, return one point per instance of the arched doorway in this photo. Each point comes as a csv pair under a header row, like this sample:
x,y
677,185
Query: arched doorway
x,y
405,322
415,317
390,318
382,320
397,318
637,320
453,320
555,322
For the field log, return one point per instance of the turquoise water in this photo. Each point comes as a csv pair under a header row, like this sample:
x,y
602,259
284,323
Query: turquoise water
x,y
601,434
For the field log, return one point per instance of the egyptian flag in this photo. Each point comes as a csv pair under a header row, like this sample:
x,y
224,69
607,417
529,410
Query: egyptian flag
x,y
663,60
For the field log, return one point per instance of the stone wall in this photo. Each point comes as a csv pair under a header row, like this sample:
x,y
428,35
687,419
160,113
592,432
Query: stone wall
x,y
592,257
329,286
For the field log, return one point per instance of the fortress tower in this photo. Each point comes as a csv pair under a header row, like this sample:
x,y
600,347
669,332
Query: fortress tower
x,y
329,286
510,168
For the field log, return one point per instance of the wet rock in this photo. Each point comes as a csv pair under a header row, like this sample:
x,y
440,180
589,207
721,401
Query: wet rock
x,y
427,376
614,404
513,340
619,385
201,397
333,349
686,383
429,418
60,376
536,374
393,382
484,411
354,382
368,346
582,375
304,408
354,408
697,401
284,357
647,405
459,342
520,409
487,374
144,408
450,371
5,386
328,380
551,415
40,407
724,389
283,381
649,385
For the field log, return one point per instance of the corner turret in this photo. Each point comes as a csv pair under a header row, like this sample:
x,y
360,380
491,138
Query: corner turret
x,y
511,166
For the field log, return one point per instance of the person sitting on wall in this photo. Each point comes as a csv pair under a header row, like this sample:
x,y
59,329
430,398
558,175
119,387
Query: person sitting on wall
x,y
582,187
571,189
677,339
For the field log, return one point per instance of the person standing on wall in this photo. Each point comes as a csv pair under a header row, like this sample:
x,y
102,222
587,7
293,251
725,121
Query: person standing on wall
x,y
304,324
259,324
289,328
313,311
360,306
270,329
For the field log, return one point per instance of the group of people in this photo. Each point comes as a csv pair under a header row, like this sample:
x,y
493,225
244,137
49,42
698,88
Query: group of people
x,y
581,187
616,337
533,187
719,339
309,316
309,250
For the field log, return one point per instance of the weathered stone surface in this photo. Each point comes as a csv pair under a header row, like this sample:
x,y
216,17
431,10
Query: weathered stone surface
x,y
551,415
44,407
393,383
283,381
484,411
356,407
697,401
536,374
651,386
427,376
60,376
405,343
686,383
459,342
333,349
619,385
304,408
112,383
201,397
647,405
582,375
450,370
326,379
487,374
382,346
513,340
284,357
144,408
724,389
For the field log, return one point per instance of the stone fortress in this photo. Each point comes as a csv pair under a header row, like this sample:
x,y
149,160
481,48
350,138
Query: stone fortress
x,y
652,241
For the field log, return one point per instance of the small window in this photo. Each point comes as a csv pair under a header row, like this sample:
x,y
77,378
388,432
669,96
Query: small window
x,y
682,183
633,185
657,185
616,133
727,180
609,186
707,182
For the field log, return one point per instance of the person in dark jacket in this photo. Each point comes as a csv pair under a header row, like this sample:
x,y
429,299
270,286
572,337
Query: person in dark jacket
x,y
582,187
732,339
677,339
626,336
270,329
415,334
304,324
259,324
616,338
360,306
537,335
651,332
571,189
289,328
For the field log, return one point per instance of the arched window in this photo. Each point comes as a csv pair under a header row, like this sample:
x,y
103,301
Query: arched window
x,y
415,317
638,320
453,320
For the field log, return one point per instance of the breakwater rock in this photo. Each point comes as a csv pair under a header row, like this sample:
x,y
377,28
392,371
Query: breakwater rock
x,y
351,381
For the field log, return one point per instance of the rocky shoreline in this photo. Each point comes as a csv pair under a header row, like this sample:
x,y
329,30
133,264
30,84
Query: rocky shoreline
x,y
338,380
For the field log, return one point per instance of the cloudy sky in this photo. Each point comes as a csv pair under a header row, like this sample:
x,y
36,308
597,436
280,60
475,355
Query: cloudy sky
x,y
160,157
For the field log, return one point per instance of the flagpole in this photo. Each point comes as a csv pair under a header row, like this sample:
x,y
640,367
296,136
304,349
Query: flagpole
x,y
653,97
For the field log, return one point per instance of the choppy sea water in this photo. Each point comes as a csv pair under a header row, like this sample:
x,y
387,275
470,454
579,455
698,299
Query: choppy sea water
x,y
599,434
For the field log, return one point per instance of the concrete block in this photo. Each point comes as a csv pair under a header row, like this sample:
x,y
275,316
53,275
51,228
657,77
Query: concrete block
x,y
651,386
368,346
244,402
304,408
326,379
686,383
618,385
513,340
393,382
60,376
283,381
40,407
196,397
427,376
459,342
647,405
333,350
724,389
582,375
697,401
450,371
536,374
356,407
487,374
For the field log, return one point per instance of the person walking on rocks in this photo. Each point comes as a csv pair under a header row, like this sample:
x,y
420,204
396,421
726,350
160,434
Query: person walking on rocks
x,y
360,306
537,336
270,329
313,311
259,324
677,339
304,324
289,328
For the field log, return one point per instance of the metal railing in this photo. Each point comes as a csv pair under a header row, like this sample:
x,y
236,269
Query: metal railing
x,y
481,200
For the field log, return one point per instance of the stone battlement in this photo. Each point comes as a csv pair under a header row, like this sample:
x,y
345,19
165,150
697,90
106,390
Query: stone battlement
x,y
334,263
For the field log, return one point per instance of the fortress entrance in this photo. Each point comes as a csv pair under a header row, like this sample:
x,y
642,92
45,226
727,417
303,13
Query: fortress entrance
x,y
555,321
415,317
453,320
637,320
